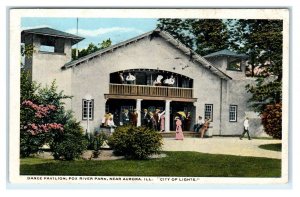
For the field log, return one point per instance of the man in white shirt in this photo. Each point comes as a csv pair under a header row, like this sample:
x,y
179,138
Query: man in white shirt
x,y
130,78
246,129
198,124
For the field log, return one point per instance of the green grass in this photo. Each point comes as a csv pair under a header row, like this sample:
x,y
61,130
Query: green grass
x,y
274,147
175,164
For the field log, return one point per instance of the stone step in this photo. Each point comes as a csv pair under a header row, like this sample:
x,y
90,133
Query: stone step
x,y
172,134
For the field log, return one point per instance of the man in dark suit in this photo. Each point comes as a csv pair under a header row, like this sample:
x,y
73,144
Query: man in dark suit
x,y
155,116
145,118
125,118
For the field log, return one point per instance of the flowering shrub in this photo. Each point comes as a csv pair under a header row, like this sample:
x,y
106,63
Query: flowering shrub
x,y
44,121
35,126
272,120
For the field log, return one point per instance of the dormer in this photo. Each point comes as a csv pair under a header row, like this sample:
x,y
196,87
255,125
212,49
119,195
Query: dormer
x,y
228,61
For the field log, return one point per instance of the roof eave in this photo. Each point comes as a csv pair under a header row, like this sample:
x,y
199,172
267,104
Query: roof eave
x,y
74,39
163,34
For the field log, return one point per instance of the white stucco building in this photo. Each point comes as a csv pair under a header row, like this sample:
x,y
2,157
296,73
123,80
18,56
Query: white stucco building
x,y
212,86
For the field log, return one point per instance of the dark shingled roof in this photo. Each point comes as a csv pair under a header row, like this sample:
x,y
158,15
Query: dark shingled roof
x,y
46,31
226,52
157,32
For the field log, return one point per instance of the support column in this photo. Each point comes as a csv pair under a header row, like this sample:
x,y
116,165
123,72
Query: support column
x,y
138,109
167,116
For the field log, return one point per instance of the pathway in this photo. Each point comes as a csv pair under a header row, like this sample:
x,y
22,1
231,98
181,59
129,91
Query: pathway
x,y
223,145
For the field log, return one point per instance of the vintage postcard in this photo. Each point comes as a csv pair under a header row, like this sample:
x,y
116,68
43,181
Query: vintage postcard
x,y
148,96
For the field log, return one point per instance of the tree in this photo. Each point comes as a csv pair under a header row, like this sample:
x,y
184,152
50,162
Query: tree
x,y
44,120
272,120
262,41
91,49
36,117
205,36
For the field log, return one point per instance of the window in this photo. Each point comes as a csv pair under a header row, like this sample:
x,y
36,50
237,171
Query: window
x,y
232,113
208,111
85,109
46,48
235,65
52,45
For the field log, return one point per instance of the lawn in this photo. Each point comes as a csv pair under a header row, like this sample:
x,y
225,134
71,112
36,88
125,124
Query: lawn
x,y
274,147
175,164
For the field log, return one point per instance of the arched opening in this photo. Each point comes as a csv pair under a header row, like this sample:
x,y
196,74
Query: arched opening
x,y
151,77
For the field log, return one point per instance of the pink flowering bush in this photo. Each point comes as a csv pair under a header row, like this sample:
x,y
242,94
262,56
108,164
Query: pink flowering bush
x,y
43,120
36,126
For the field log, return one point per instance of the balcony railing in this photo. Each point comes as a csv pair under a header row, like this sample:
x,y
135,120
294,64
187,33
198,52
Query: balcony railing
x,y
146,90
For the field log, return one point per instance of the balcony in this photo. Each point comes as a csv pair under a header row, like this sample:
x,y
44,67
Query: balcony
x,y
128,91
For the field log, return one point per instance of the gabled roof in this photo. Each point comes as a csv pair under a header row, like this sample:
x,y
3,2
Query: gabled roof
x,y
46,31
157,32
226,52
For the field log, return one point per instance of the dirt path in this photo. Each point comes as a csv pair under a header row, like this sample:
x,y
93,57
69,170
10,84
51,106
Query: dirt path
x,y
223,145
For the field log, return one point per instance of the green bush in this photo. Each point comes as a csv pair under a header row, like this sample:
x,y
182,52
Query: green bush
x,y
31,144
70,144
95,141
70,148
272,120
135,142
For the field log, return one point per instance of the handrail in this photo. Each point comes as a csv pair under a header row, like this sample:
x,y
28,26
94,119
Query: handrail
x,y
144,90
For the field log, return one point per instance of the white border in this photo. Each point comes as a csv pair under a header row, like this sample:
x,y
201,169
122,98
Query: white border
x,y
14,89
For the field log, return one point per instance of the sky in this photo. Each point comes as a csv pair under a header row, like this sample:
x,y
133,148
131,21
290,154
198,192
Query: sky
x,y
95,30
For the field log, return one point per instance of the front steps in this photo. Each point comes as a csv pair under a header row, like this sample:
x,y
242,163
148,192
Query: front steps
x,y
172,134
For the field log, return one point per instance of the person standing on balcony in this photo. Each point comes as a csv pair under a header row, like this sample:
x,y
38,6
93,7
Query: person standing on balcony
x,y
121,78
179,133
170,81
130,78
157,81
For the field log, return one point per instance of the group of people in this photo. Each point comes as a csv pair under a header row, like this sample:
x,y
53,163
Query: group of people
x,y
154,120
167,82
201,126
108,120
129,79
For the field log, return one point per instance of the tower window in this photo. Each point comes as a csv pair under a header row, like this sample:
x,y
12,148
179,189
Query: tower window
x,y
52,45
234,65
46,48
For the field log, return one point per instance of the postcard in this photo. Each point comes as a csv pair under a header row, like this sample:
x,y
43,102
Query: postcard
x,y
148,96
